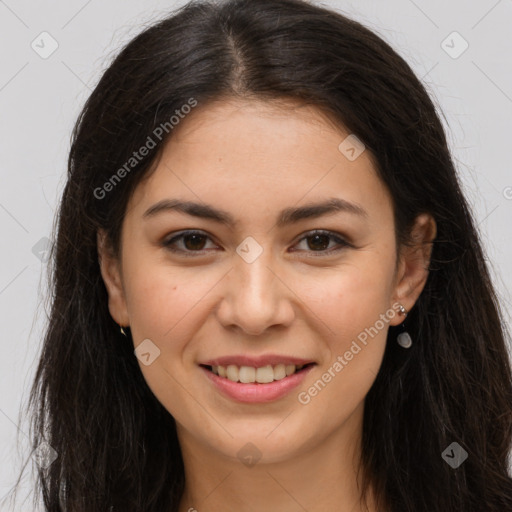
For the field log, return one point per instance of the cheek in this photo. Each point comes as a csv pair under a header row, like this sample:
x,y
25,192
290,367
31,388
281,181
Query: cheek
x,y
352,305
350,298
165,306
352,302
162,300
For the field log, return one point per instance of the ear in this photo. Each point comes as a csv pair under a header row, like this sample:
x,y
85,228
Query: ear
x,y
413,271
112,277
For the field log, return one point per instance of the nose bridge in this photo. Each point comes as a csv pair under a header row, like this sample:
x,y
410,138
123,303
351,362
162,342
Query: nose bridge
x,y
255,279
256,298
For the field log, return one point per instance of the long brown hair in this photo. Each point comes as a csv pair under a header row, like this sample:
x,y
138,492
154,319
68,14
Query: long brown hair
x,y
116,444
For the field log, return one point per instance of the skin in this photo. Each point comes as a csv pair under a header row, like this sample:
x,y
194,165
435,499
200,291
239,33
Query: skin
x,y
253,159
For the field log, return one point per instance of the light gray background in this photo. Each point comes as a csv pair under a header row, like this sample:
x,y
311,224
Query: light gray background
x,y
41,98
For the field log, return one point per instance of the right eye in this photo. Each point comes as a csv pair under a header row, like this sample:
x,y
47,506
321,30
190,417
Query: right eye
x,y
192,241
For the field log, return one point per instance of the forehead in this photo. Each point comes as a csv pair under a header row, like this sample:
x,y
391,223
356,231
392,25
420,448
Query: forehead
x,y
258,156
286,121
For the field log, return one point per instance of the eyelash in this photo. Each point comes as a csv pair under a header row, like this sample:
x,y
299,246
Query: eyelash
x,y
335,236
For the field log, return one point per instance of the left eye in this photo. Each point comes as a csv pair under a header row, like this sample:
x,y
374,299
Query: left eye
x,y
319,241
194,241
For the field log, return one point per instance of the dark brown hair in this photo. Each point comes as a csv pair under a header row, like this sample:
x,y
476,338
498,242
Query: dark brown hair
x,y
116,444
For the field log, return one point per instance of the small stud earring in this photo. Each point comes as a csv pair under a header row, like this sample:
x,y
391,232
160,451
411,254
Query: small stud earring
x,y
404,338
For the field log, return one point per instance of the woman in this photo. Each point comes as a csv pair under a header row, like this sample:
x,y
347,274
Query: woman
x,y
269,291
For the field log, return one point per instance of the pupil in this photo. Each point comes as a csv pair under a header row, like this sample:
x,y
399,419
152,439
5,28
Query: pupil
x,y
193,237
321,245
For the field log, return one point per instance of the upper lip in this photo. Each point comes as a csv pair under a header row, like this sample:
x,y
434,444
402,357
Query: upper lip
x,y
256,361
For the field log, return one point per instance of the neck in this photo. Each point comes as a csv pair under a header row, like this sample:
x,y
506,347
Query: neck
x,y
322,477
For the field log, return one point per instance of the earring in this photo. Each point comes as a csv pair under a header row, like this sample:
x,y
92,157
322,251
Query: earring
x,y
122,331
404,339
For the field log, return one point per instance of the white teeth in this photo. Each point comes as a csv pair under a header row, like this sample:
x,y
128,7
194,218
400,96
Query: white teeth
x,y
289,369
262,375
232,372
265,374
279,371
246,374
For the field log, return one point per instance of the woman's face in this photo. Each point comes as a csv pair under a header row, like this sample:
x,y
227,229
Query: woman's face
x,y
263,292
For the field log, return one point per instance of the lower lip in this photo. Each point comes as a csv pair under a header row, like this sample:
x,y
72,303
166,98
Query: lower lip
x,y
257,393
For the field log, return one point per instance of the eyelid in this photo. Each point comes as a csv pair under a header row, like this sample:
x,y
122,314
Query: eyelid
x,y
338,237
179,235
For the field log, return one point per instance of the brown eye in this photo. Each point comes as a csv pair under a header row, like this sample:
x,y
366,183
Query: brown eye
x,y
190,241
194,242
319,242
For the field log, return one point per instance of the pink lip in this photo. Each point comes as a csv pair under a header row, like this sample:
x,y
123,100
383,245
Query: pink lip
x,y
256,362
257,393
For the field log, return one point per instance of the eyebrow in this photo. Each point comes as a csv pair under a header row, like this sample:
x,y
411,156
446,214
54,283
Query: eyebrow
x,y
286,216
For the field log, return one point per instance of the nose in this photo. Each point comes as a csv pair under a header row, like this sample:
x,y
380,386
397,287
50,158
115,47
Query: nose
x,y
255,297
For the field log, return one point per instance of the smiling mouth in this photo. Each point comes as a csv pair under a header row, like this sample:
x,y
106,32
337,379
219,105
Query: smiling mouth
x,y
261,375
